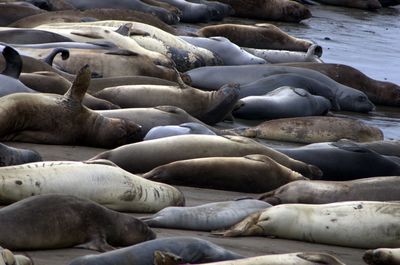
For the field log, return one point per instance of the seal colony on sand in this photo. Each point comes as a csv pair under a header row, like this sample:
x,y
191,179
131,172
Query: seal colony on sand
x,y
99,181
352,224
71,221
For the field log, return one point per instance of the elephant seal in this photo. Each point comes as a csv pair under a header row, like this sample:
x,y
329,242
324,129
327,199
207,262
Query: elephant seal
x,y
360,4
193,12
265,85
355,161
10,156
300,258
209,107
220,10
211,77
387,147
251,173
260,36
312,130
181,129
230,53
190,249
11,12
319,192
30,36
356,224
8,258
72,221
149,118
285,10
98,181
379,92
137,5
206,217
9,83
50,82
283,102
382,256
195,146
55,119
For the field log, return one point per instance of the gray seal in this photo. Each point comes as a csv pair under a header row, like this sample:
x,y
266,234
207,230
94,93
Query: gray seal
x,y
213,77
206,217
181,129
15,156
320,192
190,249
283,102
71,221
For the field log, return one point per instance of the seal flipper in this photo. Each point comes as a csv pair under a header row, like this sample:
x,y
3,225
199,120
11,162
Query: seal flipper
x,y
50,58
162,258
80,85
319,258
97,243
13,62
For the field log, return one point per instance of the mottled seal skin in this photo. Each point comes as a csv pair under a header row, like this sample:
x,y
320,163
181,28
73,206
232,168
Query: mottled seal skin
x,y
283,102
265,85
260,36
149,118
206,217
315,129
300,258
55,119
360,4
209,107
212,77
98,181
285,10
71,221
230,53
379,92
15,156
357,224
345,161
382,256
8,258
150,154
181,129
49,82
190,249
319,192
252,173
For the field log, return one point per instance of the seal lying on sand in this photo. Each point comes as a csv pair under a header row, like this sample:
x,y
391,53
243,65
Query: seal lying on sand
x,y
55,119
15,156
190,249
206,217
352,224
8,258
71,221
382,256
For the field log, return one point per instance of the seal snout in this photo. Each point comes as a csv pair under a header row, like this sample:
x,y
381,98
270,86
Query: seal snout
x,y
133,131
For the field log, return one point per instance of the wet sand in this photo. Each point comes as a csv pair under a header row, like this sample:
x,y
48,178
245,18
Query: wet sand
x,y
248,246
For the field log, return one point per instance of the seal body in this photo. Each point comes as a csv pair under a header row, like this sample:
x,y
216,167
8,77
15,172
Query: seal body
x,y
190,249
15,156
360,4
153,153
355,161
105,184
380,256
71,221
315,129
351,224
319,192
207,217
7,257
252,173
181,129
283,102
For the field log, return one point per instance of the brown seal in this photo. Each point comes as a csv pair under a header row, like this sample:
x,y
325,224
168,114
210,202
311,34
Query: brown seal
x,y
260,36
71,221
379,92
56,119
282,10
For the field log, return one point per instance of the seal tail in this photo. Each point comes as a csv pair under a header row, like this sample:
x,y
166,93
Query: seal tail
x,y
13,62
50,58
